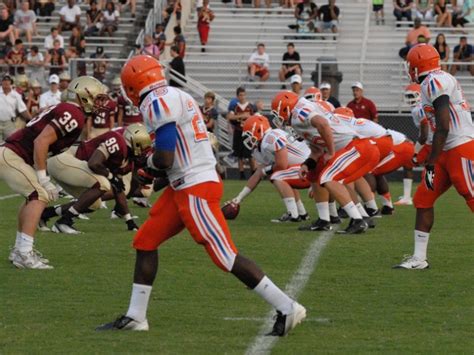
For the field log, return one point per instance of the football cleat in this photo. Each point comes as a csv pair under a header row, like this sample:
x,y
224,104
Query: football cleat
x,y
141,202
387,210
404,202
317,226
304,217
14,251
342,213
83,217
43,226
411,262
373,213
64,194
31,260
335,220
286,322
124,323
115,215
103,205
356,226
370,221
64,228
286,217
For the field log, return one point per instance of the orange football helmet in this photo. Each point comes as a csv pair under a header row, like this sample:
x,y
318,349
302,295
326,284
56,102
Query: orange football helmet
x,y
253,130
422,59
344,111
312,94
412,95
140,74
282,105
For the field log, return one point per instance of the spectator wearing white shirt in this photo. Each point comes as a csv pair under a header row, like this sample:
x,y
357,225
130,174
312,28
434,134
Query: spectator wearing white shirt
x,y
11,105
70,16
25,21
35,61
110,18
259,63
49,39
53,95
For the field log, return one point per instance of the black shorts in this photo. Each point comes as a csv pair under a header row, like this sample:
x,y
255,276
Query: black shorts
x,y
377,8
238,145
290,74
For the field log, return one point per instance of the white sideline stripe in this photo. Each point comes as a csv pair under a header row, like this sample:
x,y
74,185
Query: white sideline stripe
x,y
260,319
6,197
262,344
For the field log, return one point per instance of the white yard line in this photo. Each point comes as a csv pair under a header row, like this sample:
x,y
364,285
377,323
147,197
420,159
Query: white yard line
x,y
6,197
262,344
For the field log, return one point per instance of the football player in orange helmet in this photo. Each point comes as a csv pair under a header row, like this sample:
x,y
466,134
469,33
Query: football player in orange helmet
x,y
312,94
451,161
192,200
282,105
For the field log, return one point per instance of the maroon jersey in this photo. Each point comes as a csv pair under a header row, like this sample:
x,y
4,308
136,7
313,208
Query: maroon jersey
x,y
114,145
67,120
101,118
131,114
239,109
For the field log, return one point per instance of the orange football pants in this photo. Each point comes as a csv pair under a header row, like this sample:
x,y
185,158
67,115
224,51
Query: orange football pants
x,y
423,154
454,167
384,144
292,177
351,163
197,209
401,156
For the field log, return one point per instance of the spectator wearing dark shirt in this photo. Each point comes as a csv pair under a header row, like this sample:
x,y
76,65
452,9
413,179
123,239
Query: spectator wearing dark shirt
x,y
16,58
362,107
209,111
7,30
177,64
160,37
329,15
325,89
306,14
463,52
401,9
56,58
94,18
99,66
179,41
288,67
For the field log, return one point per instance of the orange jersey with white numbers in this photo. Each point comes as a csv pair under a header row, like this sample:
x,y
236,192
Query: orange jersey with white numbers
x,y
461,127
194,161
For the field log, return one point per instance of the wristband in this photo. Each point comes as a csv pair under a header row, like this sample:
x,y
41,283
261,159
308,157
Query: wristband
x,y
418,147
127,217
310,163
41,174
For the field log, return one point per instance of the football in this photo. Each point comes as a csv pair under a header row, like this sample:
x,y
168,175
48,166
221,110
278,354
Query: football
x,y
230,210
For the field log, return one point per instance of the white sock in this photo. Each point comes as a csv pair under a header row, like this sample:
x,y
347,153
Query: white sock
x,y
300,207
139,302
333,209
421,244
273,295
352,210
290,204
18,239
25,244
407,184
362,210
387,199
323,210
372,204
73,211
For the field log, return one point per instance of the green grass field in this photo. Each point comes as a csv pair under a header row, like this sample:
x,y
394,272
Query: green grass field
x,y
356,303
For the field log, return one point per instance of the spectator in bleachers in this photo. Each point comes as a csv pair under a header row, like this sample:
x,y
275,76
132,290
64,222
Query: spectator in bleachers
x,y
32,103
99,66
160,37
149,47
7,30
131,3
258,64
11,105
56,58
362,106
239,111
177,64
54,35
76,37
64,80
25,21
377,8
296,83
306,14
179,41
413,37
289,67
209,111
93,17
81,64
16,58
256,3
110,18
401,9
424,9
69,16
53,95
205,17
35,62
464,14
329,15
173,7
44,8
443,50
4,50
463,52
443,15
325,89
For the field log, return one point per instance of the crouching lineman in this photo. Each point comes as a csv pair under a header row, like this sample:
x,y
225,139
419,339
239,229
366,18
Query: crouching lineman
x,y
451,161
346,156
23,161
191,201
91,170
280,157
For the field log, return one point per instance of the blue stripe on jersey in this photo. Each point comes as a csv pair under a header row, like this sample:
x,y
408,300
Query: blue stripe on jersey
x,y
181,146
156,109
453,118
432,87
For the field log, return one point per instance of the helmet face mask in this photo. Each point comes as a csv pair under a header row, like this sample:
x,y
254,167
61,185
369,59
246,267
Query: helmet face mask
x,y
87,92
137,138
249,140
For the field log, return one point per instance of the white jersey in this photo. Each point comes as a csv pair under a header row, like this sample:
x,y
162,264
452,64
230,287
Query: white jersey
x,y
461,126
397,137
419,119
364,127
301,117
276,139
194,161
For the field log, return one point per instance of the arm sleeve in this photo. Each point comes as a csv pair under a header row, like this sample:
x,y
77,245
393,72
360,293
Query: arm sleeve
x,y
165,137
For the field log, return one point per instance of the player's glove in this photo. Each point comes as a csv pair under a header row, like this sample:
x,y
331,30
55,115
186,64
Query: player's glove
x,y
131,225
45,181
117,183
144,177
429,176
